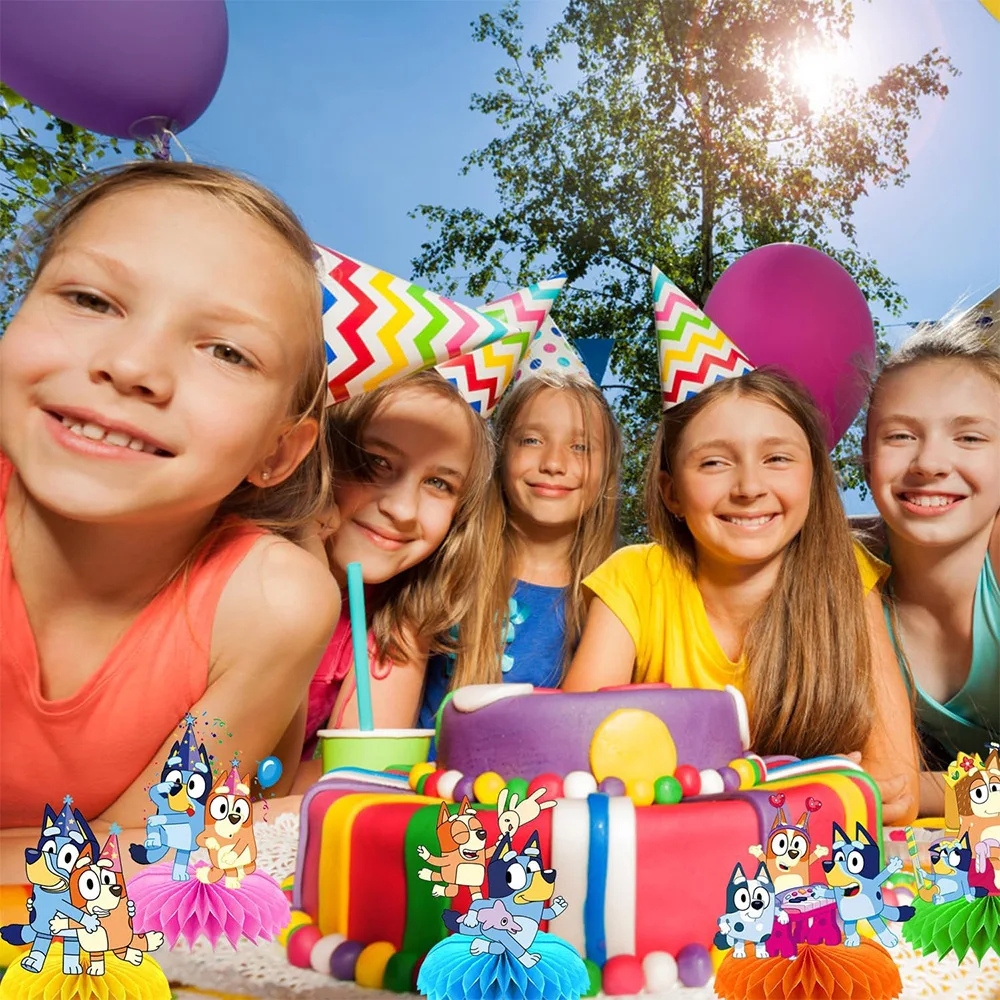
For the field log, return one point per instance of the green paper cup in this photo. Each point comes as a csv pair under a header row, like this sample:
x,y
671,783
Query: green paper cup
x,y
375,749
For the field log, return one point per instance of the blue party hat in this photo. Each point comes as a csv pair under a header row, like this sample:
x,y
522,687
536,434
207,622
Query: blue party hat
x,y
187,750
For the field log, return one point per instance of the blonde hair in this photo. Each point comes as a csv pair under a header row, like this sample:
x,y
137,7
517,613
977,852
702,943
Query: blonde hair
x,y
292,504
809,661
482,633
426,600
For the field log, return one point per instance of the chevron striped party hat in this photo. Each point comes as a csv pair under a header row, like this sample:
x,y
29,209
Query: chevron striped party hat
x,y
551,351
482,376
694,352
378,327
110,851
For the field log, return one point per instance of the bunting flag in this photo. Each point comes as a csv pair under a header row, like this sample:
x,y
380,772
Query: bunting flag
x,y
482,376
694,352
551,351
378,327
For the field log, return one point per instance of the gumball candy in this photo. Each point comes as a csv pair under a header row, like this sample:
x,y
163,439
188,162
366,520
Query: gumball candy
x,y
622,976
579,784
344,959
370,967
746,771
689,779
487,788
398,976
464,789
612,786
322,952
419,771
594,974
730,779
667,791
446,784
694,965
297,920
659,969
518,787
711,782
430,788
641,793
300,945
552,783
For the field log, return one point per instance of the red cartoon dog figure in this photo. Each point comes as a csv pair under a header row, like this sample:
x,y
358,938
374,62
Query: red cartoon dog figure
x,y
787,855
98,888
462,842
228,833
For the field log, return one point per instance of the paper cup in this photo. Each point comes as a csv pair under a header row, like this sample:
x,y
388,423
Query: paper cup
x,y
376,749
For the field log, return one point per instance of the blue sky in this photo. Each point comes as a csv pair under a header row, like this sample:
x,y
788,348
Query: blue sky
x,y
355,111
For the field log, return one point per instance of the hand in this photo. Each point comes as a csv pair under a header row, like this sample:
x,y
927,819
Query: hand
x,y
90,923
471,919
57,924
228,857
559,905
897,802
821,852
423,853
983,853
211,843
895,863
757,851
424,874
782,917
724,925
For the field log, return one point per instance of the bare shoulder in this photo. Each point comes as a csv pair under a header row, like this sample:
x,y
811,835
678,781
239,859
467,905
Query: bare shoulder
x,y
995,547
279,594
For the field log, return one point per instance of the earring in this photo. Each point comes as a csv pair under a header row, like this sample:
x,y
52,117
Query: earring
x,y
265,475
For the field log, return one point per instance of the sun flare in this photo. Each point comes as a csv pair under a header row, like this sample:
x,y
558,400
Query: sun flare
x,y
816,75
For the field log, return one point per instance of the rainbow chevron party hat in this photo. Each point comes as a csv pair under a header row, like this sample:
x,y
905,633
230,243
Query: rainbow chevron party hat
x,y
378,327
694,352
551,351
482,376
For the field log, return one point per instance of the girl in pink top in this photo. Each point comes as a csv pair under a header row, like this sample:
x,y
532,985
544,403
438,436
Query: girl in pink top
x,y
161,393
414,462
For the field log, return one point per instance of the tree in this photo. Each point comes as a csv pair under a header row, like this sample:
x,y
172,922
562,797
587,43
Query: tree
x,y
32,169
684,142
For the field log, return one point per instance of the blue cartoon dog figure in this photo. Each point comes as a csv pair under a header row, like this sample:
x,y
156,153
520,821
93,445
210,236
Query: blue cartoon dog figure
x,y
948,880
855,875
750,913
48,867
509,920
180,798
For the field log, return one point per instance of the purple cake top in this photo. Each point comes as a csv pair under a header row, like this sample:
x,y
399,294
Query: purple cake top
x,y
517,732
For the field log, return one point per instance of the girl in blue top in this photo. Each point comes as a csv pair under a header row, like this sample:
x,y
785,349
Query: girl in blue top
x,y
553,521
932,457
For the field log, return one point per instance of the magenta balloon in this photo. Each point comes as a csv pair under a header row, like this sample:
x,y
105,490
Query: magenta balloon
x,y
120,67
796,308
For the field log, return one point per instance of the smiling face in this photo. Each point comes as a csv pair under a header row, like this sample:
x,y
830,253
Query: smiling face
x,y
420,445
152,365
553,459
742,480
933,452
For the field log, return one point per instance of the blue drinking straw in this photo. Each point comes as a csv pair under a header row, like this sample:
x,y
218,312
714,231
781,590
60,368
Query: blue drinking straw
x,y
359,637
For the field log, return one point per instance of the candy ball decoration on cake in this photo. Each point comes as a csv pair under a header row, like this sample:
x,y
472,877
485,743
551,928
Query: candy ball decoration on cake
x,y
229,896
624,862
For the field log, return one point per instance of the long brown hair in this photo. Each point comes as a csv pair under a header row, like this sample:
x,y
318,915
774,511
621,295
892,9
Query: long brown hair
x,y
809,680
425,601
481,634
295,502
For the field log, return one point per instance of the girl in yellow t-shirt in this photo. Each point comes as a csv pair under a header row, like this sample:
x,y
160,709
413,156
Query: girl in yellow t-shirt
x,y
751,579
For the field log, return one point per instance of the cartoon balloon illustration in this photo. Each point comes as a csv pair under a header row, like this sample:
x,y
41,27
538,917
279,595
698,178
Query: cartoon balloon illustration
x,y
269,772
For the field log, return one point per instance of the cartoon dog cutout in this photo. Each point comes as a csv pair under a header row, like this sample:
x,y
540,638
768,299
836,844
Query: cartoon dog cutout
x,y
228,834
750,913
98,888
787,851
179,798
972,806
518,884
854,876
462,842
62,841
948,879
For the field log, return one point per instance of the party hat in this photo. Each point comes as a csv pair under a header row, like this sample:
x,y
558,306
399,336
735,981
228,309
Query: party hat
x,y
551,351
186,750
67,823
694,352
379,327
234,784
482,376
110,851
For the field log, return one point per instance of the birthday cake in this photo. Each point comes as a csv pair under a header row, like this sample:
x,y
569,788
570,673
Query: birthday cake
x,y
657,795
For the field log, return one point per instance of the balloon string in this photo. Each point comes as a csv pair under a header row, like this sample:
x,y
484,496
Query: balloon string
x,y
161,146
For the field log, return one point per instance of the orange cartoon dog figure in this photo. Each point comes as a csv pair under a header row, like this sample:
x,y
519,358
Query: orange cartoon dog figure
x,y
228,833
972,806
98,888
462,842
787,854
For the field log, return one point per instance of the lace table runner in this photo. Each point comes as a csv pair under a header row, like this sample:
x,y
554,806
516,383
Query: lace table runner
x,y
264,971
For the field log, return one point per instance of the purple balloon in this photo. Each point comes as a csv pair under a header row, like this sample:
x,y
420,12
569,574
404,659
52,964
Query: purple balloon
x,y
694,965
123,69
796,308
